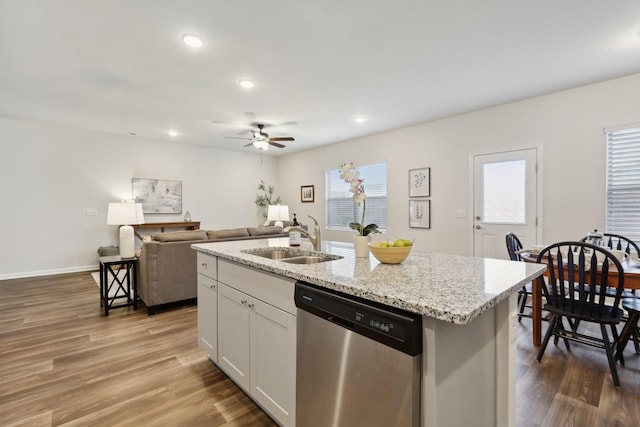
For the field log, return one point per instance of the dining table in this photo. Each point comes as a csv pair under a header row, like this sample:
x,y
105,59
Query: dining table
x,y
630,267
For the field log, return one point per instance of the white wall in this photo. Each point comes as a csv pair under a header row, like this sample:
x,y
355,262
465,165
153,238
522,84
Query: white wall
x,y
50,175
567,125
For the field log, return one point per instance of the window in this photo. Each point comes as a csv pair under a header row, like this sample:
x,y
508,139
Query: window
x,y
342,210
623,183
505,189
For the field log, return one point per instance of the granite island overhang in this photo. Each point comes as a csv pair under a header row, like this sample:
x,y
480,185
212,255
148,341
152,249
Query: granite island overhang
x,y
453,288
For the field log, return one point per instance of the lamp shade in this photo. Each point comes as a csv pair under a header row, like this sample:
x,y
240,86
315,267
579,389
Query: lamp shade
x,y
278,213
125,213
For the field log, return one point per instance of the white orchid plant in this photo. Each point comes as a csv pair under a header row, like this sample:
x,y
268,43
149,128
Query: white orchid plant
x,y
351,175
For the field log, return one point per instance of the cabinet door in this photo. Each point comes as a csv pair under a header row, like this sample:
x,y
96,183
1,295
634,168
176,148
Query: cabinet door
x,y
233,334
273,360
208,316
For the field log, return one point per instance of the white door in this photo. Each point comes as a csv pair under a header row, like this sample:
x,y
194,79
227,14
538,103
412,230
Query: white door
x,y
504,200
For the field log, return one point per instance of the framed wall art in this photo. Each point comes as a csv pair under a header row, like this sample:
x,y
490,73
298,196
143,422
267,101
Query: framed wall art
x,y
307,194
159,196
420,182
420,213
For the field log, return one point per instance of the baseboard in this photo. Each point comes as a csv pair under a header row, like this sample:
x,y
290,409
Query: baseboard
x,y
49,272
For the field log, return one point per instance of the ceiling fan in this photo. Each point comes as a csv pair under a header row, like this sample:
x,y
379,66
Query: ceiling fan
x,y
261,139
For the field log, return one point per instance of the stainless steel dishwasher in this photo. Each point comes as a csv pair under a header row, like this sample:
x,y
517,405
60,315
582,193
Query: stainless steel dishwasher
x,y
358,362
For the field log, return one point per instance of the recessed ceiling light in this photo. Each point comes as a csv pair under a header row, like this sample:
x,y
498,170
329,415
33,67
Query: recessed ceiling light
x,y
172,133
246,83
359,119
192,40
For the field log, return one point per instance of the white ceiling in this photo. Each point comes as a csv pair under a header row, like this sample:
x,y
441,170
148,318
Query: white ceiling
x,y
119,66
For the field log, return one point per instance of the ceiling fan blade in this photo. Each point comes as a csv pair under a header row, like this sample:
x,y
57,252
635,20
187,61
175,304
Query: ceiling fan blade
x,y
288,124
284,138
248,145
235,137
275,144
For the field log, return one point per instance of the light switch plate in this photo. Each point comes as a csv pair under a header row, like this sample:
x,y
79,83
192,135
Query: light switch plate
x,y
91,212
461,213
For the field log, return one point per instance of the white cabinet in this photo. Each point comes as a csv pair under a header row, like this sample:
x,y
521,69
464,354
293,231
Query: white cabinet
x,y
273,361
233,340
208,305
257,337
208,316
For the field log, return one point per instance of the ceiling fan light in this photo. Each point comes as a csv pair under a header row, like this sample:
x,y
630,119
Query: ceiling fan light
x,y
261,144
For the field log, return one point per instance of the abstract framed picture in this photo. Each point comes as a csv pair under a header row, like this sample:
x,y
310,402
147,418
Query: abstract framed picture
x,y
420,213
307,194
159,196
420,182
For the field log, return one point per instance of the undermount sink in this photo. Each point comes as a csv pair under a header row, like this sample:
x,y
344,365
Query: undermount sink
x,y
292,255
310,259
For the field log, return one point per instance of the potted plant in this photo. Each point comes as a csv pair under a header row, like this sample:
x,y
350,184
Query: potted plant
x,y
351,175
266,198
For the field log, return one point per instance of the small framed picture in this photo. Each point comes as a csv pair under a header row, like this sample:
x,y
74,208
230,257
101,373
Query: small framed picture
x,y
420,182
420,213
307,194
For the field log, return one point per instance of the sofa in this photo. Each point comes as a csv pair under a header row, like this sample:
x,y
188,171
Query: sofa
x,y
167,265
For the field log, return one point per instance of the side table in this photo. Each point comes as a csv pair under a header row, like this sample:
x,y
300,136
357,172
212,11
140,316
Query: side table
x,y
120,283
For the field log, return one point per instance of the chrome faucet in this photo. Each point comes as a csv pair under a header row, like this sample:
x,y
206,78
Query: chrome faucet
x,y
315,240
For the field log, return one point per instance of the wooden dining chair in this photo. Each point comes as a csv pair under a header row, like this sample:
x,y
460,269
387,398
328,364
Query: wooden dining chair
x,y
513,247
620,243
573,291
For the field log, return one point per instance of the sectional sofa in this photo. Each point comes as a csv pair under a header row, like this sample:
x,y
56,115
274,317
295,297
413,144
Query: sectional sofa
x,y
167,265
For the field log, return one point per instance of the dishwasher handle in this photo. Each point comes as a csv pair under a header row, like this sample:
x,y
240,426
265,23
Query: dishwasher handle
x,y
342,322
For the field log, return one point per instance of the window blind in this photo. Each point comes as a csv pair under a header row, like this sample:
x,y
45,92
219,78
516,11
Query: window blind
x,y
342,210
623,183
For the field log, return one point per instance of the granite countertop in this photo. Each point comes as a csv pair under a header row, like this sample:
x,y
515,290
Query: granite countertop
x,y
452,288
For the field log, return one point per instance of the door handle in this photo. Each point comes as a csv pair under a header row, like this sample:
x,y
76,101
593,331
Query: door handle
x,y
478,227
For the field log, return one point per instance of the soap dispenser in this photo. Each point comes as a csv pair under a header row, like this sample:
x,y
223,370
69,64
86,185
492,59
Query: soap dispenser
x,y
295,239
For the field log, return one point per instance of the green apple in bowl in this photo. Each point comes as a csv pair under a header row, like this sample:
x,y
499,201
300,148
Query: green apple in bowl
x,y
399,243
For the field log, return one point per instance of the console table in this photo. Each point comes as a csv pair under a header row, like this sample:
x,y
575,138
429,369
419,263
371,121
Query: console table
x,y
186,225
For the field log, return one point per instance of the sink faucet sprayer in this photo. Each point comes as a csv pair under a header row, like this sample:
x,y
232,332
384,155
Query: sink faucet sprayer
x,y
315,240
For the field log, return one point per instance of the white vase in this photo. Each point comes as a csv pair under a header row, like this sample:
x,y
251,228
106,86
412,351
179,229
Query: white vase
x,y
361,245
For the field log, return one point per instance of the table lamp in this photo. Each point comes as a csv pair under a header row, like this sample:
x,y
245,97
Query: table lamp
x,y
126,214
278,213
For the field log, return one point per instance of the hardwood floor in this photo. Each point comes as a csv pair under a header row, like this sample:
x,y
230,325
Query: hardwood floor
x,y
62,363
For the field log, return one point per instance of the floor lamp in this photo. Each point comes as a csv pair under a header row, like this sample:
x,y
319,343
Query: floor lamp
x,y
126,214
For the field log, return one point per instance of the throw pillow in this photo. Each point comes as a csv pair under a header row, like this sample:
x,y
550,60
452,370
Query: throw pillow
x,y
263,231
225,234
178,236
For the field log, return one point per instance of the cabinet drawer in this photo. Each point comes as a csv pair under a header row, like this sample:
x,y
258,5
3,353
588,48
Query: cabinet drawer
x,y
208,265
270,288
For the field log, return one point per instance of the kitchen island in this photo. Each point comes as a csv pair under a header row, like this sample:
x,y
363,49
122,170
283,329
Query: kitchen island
x,y
467,304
